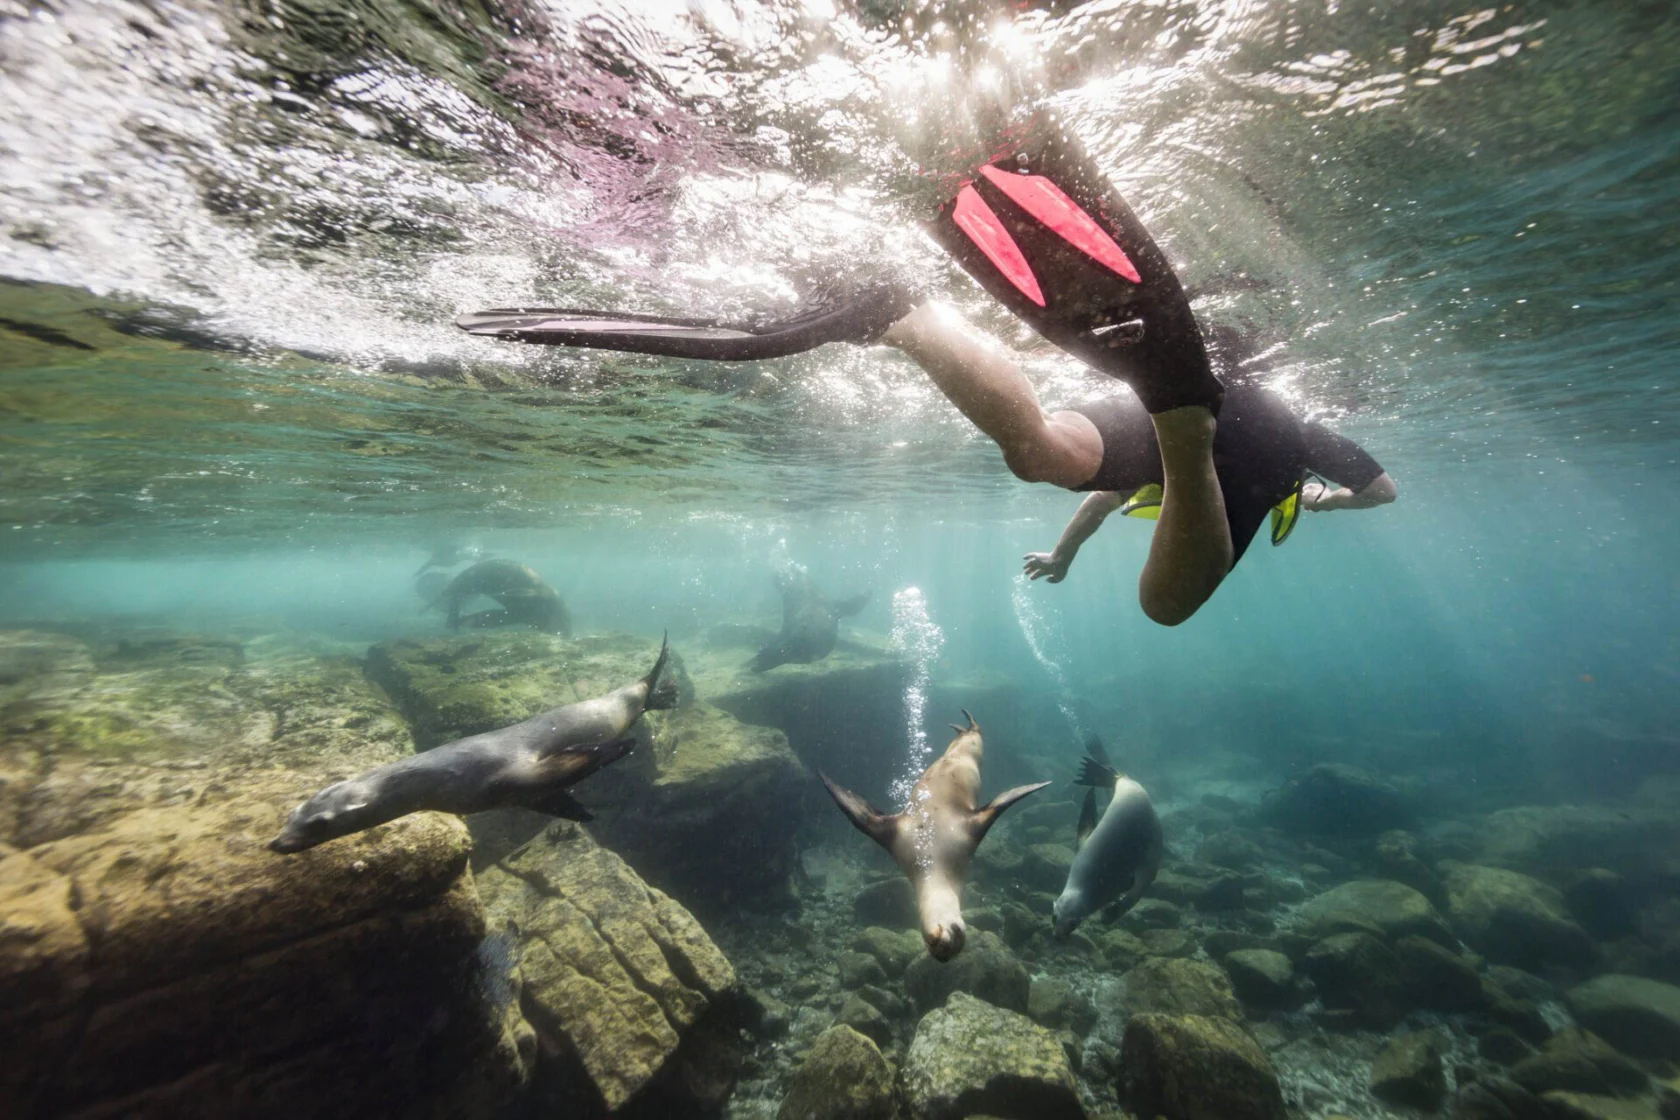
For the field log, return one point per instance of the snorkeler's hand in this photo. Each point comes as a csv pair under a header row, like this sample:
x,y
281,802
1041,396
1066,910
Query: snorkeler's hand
x,y
1319,496
1044,564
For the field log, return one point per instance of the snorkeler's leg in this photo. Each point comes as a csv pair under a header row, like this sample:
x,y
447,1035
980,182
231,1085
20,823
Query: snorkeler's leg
x,y
1191,550
1065,448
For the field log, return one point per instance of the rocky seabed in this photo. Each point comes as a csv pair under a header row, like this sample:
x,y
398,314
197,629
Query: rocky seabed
x,y
717,943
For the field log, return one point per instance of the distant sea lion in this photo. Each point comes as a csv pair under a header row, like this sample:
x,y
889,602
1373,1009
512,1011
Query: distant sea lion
x,y
810,623
1119,854
529,765
451,554
523,594
933,839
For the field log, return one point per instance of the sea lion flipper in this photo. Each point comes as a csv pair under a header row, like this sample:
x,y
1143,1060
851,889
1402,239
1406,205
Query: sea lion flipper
x,y
878,826
661,695
987,815
1087,818
1094,748
558,803
846,608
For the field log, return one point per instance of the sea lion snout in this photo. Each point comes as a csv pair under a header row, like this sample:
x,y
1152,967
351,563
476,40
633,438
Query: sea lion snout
x,y
945,941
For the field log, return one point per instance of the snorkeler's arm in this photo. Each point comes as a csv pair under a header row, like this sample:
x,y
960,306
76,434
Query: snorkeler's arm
x,y
1317,497
1363,482
1087,519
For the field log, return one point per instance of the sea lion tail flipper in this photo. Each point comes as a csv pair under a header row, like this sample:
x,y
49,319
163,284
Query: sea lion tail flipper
x,y
1094,748
846,608
987,815
1087,818
1095,769
972,726
870,821
661,694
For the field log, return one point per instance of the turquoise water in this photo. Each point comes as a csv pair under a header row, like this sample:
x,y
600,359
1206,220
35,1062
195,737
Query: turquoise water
x,y
233,237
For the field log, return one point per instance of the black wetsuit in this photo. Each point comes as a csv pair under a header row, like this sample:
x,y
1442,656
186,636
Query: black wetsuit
x,y
1260,452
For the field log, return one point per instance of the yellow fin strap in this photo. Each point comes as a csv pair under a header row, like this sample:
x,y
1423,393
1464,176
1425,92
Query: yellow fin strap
x,y
1145,502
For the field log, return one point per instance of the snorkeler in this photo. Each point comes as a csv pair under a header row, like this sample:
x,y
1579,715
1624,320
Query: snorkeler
x,y
1041,231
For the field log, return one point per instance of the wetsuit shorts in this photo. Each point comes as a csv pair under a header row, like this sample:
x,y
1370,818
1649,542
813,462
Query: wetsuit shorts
x,y
1260,452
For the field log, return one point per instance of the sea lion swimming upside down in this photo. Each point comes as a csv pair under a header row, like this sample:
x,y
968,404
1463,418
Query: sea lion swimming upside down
x,y
810,622
525,597
1119,854
933,839
528,765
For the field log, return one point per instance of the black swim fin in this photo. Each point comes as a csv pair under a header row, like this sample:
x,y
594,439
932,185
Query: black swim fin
x,y
858,315
1044,233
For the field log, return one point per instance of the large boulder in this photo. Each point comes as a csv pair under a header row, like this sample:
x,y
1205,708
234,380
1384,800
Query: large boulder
x,y
1357,972
1189,1067
970,1058
1407,1071
1336,800
1262,977
1380,906
626,992
1634,1014
1635,840
195,964
1512,918
1181,987
985,969
1579,1061
715,823
843,1077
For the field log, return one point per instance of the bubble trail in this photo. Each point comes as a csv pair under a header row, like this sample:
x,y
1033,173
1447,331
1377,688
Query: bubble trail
x,y
1044,638
916,638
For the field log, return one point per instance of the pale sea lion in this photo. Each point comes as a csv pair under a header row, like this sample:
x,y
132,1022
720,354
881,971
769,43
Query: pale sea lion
x,y
810,623
523,594
529,765
1119,855
933,839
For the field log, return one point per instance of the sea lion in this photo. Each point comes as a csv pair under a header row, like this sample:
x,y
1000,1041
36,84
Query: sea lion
x,y
1119,854
522,593
450,554
529,765
933,839
810,623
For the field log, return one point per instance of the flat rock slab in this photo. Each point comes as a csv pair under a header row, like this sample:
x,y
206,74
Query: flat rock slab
x,y
1512,918
970,1058
611,970
1381,906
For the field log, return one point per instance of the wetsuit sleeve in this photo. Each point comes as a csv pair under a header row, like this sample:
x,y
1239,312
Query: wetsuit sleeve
x,y
1338,458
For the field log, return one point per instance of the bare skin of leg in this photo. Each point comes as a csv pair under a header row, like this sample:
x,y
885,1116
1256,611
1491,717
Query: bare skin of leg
x,y
1191,549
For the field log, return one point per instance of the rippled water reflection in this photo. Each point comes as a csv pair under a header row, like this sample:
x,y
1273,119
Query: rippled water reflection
x,y
235,234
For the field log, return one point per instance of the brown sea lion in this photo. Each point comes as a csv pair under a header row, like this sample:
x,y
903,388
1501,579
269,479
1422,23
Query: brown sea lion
x,y
810,622
529,765
524,597
933,839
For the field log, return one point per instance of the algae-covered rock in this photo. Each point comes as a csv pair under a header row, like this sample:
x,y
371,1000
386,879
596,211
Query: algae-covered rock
x,y
1512,918
1191,1067
1636,1015
1579,1061
714,823
1336,800
865,1018
893,950
220,970
1634,840
1055,1003
1435,977
970,1058
1496,1098
985,968
843,1077
1407,1071
613,973
1357,972
1181,987
1262,977
1380,906
1564,1105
